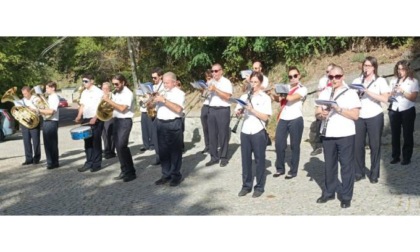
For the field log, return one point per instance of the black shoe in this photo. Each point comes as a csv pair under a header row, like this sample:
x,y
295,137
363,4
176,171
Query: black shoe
x,y
156,163
26,163
175,182
323,199
95,169
142,149
119,177
395,160
110,156
36,162
83,169
373,180
129,178
244,192
359,177
316,152
205,150
345,203
212,162
162,181
278,174
223,163
288,176
405,162
257,194
50,167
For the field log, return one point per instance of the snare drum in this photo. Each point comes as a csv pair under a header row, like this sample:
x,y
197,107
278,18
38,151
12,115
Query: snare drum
x,y
81,132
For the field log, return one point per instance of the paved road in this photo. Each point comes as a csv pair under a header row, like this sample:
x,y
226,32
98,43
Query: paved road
x,y
34,190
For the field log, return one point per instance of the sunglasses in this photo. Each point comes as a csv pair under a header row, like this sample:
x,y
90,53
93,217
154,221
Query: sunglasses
x,y
215,71
293,76
154,78
85,81
337,77
115,83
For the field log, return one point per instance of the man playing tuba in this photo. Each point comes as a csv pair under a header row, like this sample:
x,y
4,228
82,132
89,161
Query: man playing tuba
x,y
31,136
89,101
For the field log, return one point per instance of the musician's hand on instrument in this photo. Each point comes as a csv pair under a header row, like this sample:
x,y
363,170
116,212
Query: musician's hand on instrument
x,y
212,88
92,121
78,119
106,98
159,98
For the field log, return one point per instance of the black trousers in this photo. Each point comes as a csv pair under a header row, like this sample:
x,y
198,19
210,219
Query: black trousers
x,y
204,117
155,139
146,131
93,145
32,143
295,129
404,119
218,125
50,136
373,127
339,149
108,138
170,147
318,138
122,129
256,144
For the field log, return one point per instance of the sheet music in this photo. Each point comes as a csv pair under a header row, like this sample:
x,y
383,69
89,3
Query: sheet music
x,y
325,102
245,73
236,100
281,88
357,86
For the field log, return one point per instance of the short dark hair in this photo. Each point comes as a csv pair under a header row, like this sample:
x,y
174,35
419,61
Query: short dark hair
x,y
120,78
158,70
259,76
293,68
52,84
88,76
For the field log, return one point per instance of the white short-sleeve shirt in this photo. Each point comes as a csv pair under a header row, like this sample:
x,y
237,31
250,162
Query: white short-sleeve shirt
x,y
176,96
90,100
293,110
408,86
338,125
261,102
53,102
371,107
223,85
125,97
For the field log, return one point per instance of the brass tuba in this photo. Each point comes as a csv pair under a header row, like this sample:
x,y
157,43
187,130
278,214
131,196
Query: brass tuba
x,y
22,114
40,100
104,111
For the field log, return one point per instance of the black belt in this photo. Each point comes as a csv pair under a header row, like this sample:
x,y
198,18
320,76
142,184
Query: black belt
x,y
219,107
168,121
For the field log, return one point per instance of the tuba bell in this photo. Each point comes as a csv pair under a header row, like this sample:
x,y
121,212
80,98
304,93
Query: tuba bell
x,y
22,114
104,111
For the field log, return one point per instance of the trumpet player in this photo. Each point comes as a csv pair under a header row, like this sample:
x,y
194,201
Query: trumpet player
x,y
157,76
205,111
219,116
371,119
50,126
31,137
170,108
338,140
253,135
89,101
122,102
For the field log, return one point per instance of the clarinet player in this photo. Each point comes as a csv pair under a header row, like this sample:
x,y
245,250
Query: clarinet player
x,y
338,130
253,137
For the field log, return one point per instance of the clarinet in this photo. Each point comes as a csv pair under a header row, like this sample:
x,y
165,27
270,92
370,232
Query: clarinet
x,y
359,92
324,129
242,111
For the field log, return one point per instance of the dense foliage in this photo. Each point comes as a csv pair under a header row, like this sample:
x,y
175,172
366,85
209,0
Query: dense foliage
x,y
34,60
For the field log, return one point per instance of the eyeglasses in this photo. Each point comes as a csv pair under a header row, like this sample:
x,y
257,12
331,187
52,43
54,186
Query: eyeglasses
x,y
337,77
367,66
293,76
85,81
215,71
154,78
